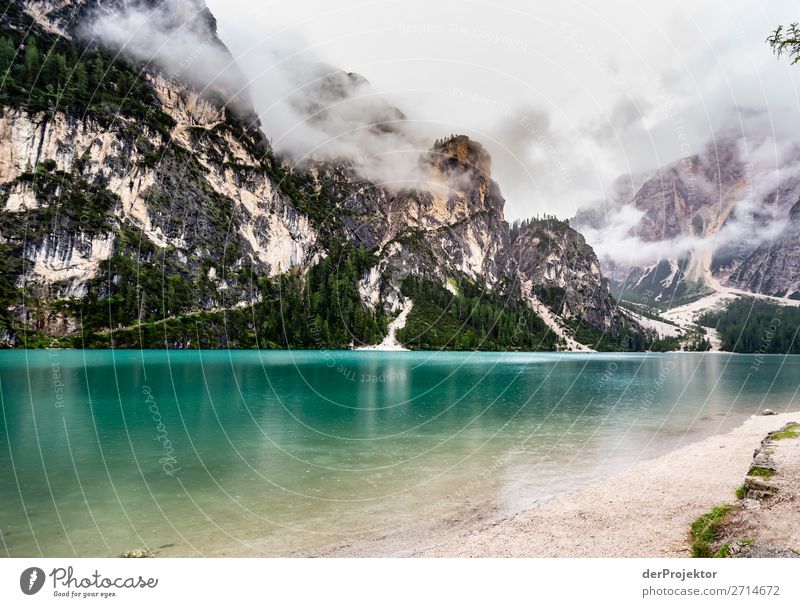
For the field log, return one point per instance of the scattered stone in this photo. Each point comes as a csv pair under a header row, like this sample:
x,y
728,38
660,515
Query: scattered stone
x,y
758,489
756,483
139,553
759,550
768,412
762,458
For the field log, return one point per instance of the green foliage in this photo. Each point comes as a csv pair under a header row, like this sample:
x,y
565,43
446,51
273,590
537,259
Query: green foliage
x,y
665,344
146,296
202,330
546,221
704,531
10,269
68,203
551,296
696,341
724,552
749,325
741,492
139,283
646,311
693,340
761,472
471,320
333,302
786,40
625,340
319,200
790,431
44,72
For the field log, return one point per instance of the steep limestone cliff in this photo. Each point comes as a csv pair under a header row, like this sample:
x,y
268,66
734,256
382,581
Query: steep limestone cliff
x,y
139,209
774,267
565,273
452,226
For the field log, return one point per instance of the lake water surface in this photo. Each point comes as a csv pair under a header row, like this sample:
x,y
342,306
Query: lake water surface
x,y
277,453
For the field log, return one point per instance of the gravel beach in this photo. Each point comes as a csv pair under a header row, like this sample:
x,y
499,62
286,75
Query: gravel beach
x,y
643,512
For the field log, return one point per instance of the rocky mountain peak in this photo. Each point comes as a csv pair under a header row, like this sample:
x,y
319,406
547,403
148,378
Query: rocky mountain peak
x,y
338,102
564,273
459,154
69,16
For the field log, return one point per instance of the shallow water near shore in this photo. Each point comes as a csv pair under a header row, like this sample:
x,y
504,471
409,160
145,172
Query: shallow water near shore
x,y
278,453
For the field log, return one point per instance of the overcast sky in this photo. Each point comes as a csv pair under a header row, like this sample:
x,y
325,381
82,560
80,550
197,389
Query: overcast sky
x,y
566,95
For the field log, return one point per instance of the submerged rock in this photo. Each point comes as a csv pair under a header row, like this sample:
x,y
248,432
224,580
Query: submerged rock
x,y
138,553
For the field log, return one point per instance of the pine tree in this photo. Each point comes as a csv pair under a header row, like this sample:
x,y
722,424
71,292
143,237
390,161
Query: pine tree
x,y
7,54
62,73
80,83
32,62
98,72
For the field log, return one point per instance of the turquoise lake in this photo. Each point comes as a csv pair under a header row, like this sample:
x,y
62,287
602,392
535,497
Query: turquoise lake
x,y
281,453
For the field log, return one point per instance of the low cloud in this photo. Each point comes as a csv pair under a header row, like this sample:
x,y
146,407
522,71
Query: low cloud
x,y
178,37
618,243
315,111
759,175
308,109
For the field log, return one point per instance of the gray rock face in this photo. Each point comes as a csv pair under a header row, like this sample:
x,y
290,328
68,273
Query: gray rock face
x,y
565,273
774,267
452,227
703,218
693,197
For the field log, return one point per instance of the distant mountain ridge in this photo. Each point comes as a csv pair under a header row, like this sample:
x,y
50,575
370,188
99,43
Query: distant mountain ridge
x,y
705,220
